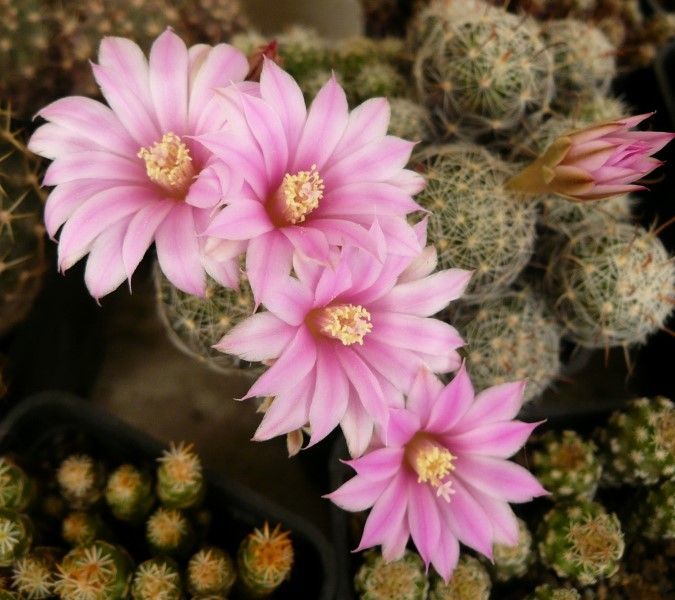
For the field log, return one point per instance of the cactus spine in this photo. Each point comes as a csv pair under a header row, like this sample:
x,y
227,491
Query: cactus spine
x,y
81,480
180,481
128,493
157,579
401,579
210,571
469,581
17,489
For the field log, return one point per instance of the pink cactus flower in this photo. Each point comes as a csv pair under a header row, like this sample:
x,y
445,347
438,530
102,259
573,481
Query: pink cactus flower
x,y
345,341
130,174
441,476
596,162
313,178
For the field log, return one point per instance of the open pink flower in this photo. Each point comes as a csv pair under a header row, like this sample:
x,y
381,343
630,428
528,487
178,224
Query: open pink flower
x,y
595,162
347,340
441,476
129,174
313,179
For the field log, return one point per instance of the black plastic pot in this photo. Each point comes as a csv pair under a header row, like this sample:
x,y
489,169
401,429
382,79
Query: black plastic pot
x,y
46,427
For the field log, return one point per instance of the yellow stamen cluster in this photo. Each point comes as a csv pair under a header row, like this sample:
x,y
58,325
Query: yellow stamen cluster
x,y
301,193
432,463
347,323
169,164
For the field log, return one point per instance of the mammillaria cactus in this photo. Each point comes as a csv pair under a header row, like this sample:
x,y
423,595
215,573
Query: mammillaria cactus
x,y
509,562
81,480
194,324
549,592
170,532
409,119
638,443
479,71
375,79
401,579
211,21
157,579
34,575
100,571
303,51
17,489
475,223
567,465
264,560
654,516
612,283
180,480
210,571
129,493
16,535
581,541
510,338
470,581
81,528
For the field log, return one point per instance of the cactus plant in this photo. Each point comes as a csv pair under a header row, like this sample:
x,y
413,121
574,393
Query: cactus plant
x,y
210,571
566,464
34,575
17,489
549,592
510,338
264,560
16,535
81,528
581,541
169,532
637,443
401,579
375,79
129,493
469,581
100,571
157,579
180,480
509,562
654,515
81,480
211,21
479,71
613,284
475,223
409,119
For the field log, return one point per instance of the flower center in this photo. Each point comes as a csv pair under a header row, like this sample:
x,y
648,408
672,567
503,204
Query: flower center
x,y
169,164
300,194
432,462
346,322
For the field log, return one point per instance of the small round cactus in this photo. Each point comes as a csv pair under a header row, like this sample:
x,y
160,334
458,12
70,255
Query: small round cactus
x,y
169,531
34,575
509,562
613,283
475,223
409,119
469,581
549,592
194,324
303,51
81,480
566,465
401,579
264,560
81,528
583,60
180,480
100,571
16,535
637,444
157,579
17,489
375,79
129,493
508,339
210,571
211,21
479,71
581,541
654,517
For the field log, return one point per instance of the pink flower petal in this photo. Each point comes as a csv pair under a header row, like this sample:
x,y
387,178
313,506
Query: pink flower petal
x,y
66,198
504,522
446,556
452,403
357,426
387,515
366,197
496,403
95,165
424,520
424,393
262,336
278,87
331,394
357,493
501,438
378,465
290,301
409,181
402,426
178,251
295,363
51,140
409,331
398,365
105,270
427,296
309,241
340,232
242,220
222,65
141,233
168,76
499,478
367,122
326,121
268,262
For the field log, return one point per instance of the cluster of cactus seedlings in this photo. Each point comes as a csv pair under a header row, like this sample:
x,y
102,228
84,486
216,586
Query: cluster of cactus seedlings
x,y
595,536
127,532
